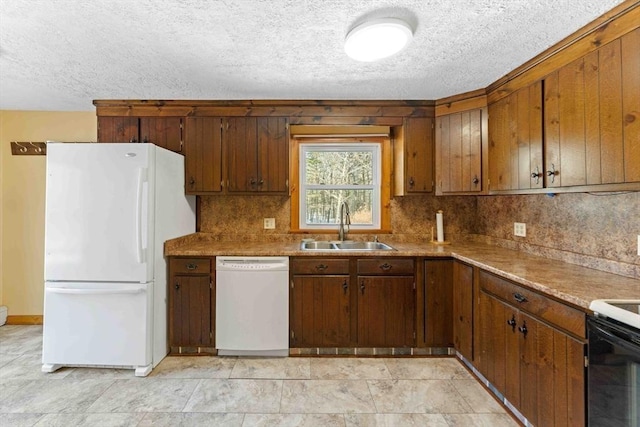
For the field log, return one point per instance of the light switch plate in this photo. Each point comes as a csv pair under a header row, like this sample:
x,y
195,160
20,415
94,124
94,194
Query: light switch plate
x,y
269,223
520,229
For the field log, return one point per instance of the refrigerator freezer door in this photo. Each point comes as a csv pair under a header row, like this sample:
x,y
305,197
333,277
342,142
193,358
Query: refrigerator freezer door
x,y
97,324
99,212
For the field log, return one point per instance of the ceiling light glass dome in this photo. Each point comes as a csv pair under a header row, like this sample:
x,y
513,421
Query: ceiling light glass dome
x,y
378,39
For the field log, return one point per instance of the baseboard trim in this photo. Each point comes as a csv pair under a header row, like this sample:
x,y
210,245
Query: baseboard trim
x,y
24,320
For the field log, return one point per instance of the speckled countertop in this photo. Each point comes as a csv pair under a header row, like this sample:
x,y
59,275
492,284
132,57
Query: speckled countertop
x,y
568,282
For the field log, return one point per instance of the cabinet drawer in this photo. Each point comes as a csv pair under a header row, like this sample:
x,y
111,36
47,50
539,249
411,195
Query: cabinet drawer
x,y
319,266
386,266
190,265
554,312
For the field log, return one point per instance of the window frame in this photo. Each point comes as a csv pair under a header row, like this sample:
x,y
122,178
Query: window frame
x,y
385,180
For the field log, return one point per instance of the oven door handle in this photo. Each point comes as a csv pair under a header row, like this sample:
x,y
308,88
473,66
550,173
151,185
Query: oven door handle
x,y
616,340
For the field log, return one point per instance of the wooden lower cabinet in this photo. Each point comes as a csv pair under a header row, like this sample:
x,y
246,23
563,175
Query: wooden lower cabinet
x,y
386,311
462,289
191,303
438,322
320,311
538,366
351,302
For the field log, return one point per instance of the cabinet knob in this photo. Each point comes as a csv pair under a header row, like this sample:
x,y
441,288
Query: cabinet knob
x,y
475,180
261,181
191,266
519,297
553,172
321,267
536,175
345,286
523,329
192,181
177,286
362,287
385,267
252,181
133,140
411,182
512,323
145,140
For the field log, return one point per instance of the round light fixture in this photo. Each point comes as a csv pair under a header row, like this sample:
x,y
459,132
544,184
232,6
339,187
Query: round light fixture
x,y
377,39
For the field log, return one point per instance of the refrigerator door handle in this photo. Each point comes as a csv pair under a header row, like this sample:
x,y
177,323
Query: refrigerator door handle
x,y
94,291
142,178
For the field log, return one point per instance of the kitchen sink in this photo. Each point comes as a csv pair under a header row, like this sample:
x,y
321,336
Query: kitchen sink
x,y
345,246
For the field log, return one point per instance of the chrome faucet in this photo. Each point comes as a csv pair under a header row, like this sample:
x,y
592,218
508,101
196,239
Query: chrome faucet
x,y
344,220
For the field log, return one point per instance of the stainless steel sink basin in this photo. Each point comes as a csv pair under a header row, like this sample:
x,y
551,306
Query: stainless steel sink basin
x,y
345,246
363,246
315,246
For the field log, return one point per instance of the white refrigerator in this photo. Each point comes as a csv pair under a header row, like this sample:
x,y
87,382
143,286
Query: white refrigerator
x,y
109,209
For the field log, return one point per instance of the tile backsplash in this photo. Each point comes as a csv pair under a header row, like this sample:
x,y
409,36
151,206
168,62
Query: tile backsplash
x,y
597,230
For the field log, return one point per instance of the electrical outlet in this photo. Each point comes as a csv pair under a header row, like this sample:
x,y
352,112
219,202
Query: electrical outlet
x,y
269,223
520,229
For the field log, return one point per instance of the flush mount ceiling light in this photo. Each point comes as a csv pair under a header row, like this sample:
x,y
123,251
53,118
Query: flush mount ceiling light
x,y
377,39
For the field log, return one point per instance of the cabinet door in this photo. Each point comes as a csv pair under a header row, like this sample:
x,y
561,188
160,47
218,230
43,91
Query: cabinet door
x,y
190,315
591,117
419,141
240,138
552,375
273,155
438,303
386,311
459,151
203,155
117,129
164,132
320,315
515,140
463,309
498,344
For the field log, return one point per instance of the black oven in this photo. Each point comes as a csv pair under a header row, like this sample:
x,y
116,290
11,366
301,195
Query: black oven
x,y
613,374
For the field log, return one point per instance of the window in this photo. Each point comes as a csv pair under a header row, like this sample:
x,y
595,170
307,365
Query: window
x,y
329,171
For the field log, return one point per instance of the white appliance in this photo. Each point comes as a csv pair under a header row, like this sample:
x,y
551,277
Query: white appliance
x,y
252,306
109,209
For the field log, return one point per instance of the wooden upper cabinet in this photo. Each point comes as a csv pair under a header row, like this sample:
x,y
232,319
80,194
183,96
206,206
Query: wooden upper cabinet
x,y
164,132
203,155
117,129
592,117
413,147
459,152
257,154
515,141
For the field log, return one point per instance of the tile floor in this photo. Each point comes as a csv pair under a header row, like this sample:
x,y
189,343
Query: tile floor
x,y
216,391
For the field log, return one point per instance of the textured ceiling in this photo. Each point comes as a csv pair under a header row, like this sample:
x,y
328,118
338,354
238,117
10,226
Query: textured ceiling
x,y
62,54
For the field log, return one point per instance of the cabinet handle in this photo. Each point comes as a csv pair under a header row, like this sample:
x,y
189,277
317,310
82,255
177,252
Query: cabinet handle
x,y
177,286
523,329
191,266
512,323
519,297
475,180
321,267
385,267
411,182
553,172
362,287
536,175
345,287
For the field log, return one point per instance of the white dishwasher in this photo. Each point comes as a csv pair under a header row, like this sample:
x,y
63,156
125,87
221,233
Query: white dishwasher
x,y
252,306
